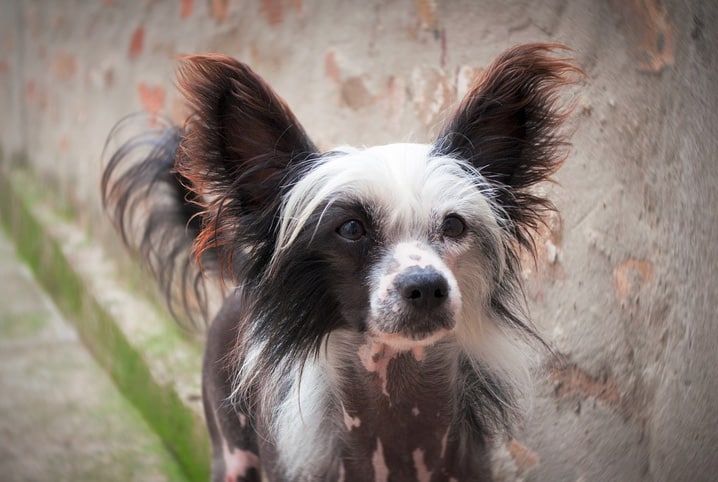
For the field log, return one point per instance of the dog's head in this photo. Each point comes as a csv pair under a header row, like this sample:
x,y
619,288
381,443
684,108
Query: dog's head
x,y
402,237
404,243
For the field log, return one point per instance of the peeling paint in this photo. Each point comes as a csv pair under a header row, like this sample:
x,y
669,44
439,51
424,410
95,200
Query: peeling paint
x,y
64,66
179,110
30,90
152,98
426,13
466,77
187,8
331,67
571,381
64,145
355,94
630,275
395,101
219,9
136,42
650,30
524,458
431,94
273,11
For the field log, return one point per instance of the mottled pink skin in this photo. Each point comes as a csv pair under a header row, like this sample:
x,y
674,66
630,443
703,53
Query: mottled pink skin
x,y
349,421
342,473
407,255
238,462
444,441
376,357
422,471
381,471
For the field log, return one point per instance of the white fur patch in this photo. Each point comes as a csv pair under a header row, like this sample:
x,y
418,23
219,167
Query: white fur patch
x,y
306,424
247,370
403,180
303,427
504,350
444,442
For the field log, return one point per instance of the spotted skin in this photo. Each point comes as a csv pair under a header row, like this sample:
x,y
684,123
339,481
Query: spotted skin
x,y
235,453
407,430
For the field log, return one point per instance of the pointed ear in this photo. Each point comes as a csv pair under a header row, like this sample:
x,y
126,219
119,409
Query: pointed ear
x,y
242,146
241,135
507,127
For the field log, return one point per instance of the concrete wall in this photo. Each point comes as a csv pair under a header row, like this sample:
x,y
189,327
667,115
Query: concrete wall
x,y
625,284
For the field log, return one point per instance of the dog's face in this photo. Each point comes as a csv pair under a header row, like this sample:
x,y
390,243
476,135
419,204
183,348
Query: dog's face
x,y
408,237
403,243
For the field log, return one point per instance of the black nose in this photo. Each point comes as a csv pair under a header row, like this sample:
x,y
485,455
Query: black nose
x,y
422,288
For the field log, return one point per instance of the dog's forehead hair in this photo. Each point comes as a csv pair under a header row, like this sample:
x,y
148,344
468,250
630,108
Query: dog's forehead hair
x,y
404,184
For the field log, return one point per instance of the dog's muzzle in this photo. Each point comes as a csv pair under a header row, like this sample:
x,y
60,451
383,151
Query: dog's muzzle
x,y
416,303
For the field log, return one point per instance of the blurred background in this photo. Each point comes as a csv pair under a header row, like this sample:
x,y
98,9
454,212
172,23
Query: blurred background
x,y
625,284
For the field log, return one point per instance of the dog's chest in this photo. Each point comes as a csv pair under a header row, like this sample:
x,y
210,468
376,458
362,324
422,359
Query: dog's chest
x,y
397,416
387,415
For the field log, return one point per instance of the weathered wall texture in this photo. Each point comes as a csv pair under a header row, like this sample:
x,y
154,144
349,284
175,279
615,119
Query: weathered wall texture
x,y
625,285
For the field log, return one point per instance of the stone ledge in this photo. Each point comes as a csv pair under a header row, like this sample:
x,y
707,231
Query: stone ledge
x,y
150,360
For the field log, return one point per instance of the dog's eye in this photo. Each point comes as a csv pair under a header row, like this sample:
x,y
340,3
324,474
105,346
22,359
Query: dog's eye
x,y
453,226
352,230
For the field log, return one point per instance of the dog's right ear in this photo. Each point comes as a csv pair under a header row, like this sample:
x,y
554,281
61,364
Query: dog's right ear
x,y
242,147
509,128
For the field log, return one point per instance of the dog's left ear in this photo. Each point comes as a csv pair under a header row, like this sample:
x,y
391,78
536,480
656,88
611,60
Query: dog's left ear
x,y
507,127
242,147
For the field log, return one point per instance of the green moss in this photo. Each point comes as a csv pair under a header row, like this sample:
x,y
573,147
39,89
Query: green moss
x,y
165,412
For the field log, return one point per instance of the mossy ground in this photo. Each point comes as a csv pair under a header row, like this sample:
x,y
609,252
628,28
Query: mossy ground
x,y
131,356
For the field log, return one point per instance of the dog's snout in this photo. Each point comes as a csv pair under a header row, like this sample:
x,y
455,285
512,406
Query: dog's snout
x,y
423,288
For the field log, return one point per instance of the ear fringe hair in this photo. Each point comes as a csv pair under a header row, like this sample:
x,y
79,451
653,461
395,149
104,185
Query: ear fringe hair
x,y
155,214
508,127
238,143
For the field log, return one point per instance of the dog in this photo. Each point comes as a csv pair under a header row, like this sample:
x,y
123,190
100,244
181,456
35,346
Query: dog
x,y
374,326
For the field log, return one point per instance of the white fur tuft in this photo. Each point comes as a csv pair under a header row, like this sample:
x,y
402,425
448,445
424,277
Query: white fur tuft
x,y
405,179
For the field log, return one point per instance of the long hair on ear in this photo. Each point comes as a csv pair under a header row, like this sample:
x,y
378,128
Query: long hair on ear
x,y
241,150
508,128
155,214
